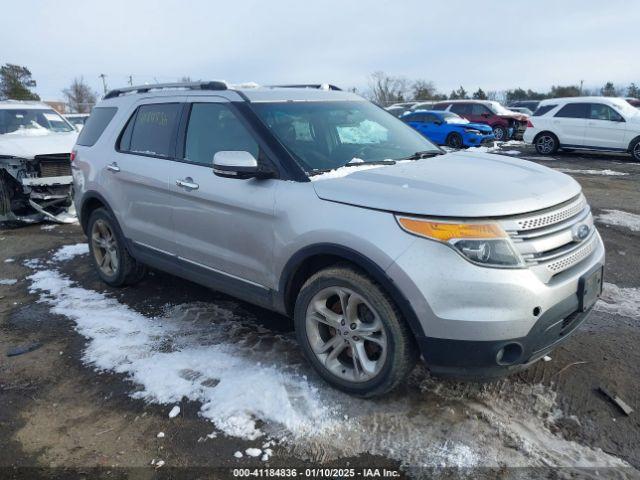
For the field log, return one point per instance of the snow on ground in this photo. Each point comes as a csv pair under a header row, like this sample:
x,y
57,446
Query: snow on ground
x,y
69,251
605,172
8,281
620,301
620,218
252,382
48,227
9,260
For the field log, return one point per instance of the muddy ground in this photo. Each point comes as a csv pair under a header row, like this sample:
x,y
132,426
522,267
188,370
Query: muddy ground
x,y
60,417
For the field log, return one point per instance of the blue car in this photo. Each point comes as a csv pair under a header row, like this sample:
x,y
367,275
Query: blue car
x,y
446,128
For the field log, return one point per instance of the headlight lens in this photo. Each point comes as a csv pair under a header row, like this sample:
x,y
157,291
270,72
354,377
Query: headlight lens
x,y
482,243
473,130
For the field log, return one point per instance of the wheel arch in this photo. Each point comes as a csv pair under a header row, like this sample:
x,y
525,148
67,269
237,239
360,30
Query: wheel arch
x,y
311,259
90,202
632,143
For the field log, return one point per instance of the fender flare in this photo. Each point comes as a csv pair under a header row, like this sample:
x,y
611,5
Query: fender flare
x,y
367,265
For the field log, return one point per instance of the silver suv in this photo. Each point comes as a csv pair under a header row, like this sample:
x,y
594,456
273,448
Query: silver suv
x,y
320,205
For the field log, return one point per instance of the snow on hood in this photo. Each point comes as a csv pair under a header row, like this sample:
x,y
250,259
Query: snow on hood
x,y
28,146
460,184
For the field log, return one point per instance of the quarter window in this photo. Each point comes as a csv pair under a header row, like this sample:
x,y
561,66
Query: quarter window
x,y
543,109
599,111
461,108
213,128
574,110
97,122
477,109
150,131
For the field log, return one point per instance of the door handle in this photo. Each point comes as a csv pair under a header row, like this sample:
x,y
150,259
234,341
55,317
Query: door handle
x,y
113,167
187,184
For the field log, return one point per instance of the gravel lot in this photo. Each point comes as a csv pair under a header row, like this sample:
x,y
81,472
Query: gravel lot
x,y
75,405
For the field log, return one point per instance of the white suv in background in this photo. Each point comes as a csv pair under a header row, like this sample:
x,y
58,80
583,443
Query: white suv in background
x,y
587,123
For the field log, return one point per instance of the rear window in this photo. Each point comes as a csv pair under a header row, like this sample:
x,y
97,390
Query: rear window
x,y
151,130
574,110
97,122
543,109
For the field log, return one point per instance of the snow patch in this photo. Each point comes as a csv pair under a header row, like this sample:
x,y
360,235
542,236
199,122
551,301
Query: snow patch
x,y
253,452
9,260
175,411
69,251
606,172
343,171
621,219
620,301
8,281
48,227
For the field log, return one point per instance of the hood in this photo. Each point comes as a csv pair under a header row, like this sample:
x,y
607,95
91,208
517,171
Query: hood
x,y
478,126
460,184
28,146
521,117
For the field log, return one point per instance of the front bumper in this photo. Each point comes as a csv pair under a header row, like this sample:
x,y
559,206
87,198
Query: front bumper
x,y
468,313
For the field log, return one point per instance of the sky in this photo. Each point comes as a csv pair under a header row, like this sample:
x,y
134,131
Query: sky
x,y
495,44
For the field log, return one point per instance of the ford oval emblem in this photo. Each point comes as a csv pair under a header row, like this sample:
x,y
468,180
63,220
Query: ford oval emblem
x,y
581,232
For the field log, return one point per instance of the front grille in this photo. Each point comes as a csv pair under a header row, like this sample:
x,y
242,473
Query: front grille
x,y
548,239
55,165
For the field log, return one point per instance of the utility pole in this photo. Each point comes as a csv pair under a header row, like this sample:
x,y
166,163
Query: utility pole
x,y
104,82
581,82
131,80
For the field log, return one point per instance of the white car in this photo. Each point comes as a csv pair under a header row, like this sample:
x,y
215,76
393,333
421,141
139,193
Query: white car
x,y
77,119
585,123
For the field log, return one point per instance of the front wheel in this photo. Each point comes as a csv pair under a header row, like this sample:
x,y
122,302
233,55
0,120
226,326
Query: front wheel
x,y
454,140
500,133
352,333
5,196
546,143
635,149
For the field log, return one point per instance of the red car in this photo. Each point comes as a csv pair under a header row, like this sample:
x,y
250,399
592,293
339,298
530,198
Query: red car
x,y
633,101
505,123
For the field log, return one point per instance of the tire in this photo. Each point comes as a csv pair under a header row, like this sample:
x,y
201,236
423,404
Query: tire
x,y
454,140
568,150
5,196
500,133
634,149
109,254
546,143
385,348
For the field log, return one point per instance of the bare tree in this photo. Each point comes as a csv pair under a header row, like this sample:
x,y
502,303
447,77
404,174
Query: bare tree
x,y
385,89
424,90
80,97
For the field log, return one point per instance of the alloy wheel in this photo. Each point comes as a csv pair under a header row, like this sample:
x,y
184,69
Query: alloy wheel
x,y
545,144
499,134
346,334
636,151
105,248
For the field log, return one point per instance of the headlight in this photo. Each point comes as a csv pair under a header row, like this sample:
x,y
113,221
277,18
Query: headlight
x,y
485,244
473,130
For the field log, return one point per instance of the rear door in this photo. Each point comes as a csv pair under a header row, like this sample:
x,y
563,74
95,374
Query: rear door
x,y
223,225
605,128
137,180
570,122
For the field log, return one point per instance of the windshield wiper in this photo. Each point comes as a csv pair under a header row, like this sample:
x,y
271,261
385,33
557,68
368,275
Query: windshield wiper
x,y
424,154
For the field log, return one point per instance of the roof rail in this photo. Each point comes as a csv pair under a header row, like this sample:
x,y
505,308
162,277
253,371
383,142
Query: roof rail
x,y
318,86
212,85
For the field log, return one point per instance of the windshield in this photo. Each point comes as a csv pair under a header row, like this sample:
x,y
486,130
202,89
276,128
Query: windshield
x,y
327,135
454,118
31,120
498,109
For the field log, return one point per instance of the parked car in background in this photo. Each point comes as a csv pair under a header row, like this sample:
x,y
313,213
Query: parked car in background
x,y
446,128
396,111
585,123
505,123
319,205
633,101
77,119
406,105
530,104
522,110
423,106
35,166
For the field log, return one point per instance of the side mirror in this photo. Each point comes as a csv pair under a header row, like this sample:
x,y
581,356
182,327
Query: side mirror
x,y
438,122
238,164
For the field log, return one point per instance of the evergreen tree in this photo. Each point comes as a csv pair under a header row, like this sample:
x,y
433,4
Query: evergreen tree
x,y
480,95
16,82
633,91
609,90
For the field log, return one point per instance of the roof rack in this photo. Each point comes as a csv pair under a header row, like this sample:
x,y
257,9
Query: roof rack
x,y
317,86
213,85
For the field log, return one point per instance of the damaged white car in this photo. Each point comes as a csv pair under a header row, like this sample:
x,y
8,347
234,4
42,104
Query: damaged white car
x,y
35,165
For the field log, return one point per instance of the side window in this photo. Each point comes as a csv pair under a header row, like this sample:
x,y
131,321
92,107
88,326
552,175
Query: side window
x,y
543,109
573,110
477,109
599,111
440,106
150,130
214,127
430,118
460,108
95,125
